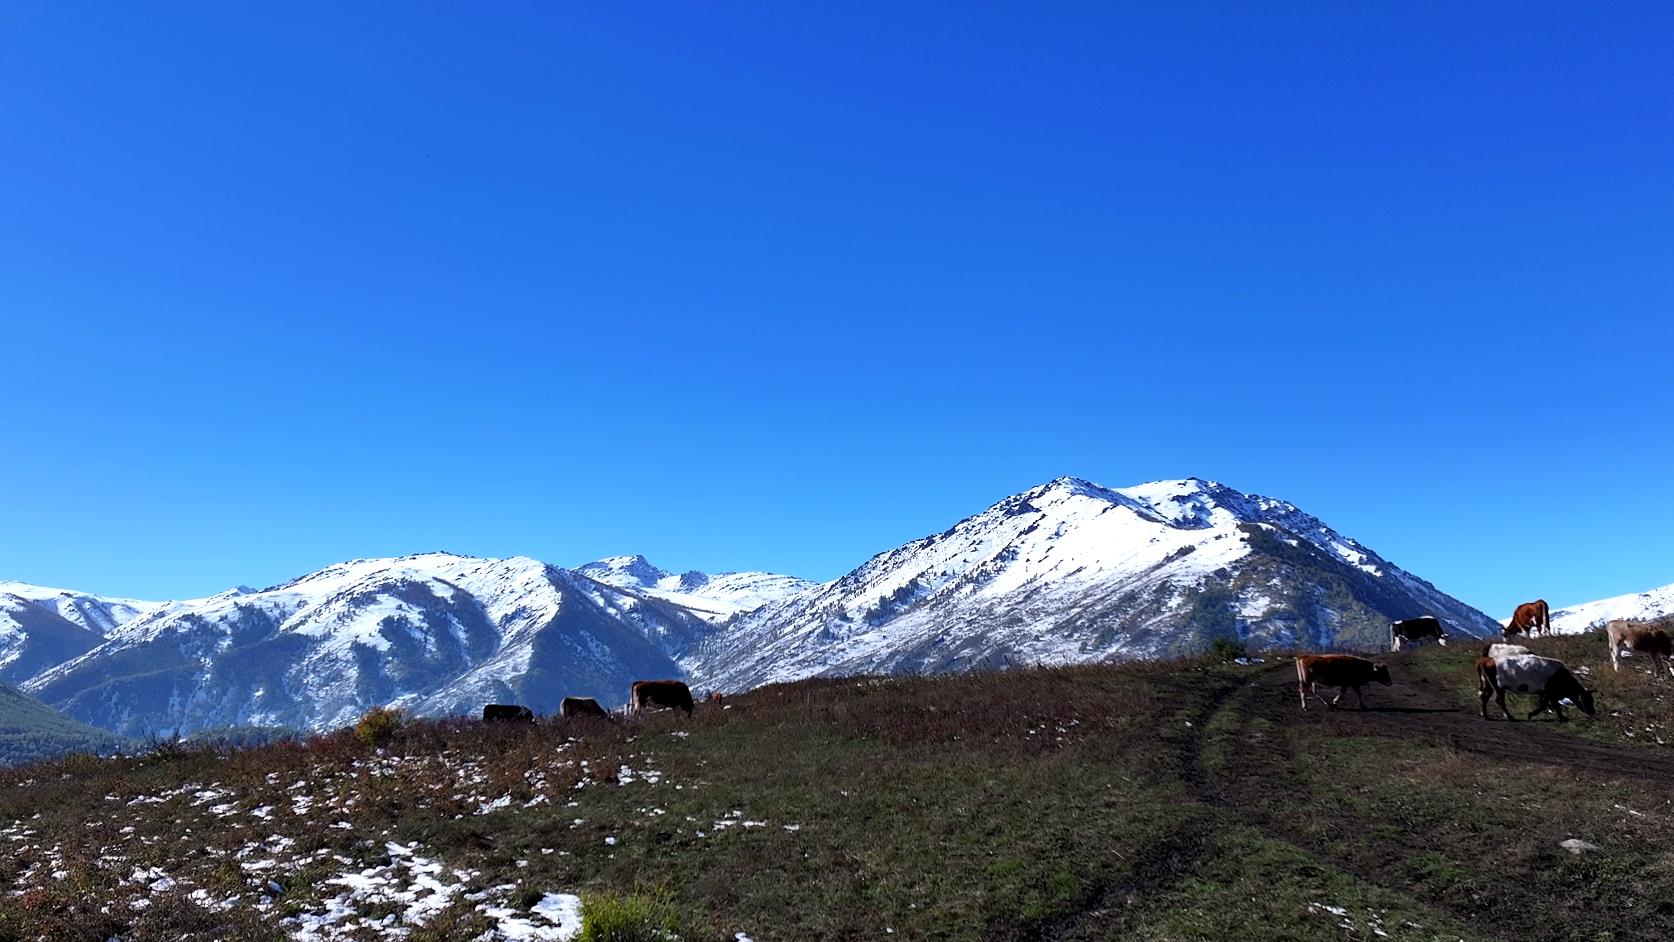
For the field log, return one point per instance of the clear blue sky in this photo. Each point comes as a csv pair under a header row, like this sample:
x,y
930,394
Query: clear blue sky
x,y
783,285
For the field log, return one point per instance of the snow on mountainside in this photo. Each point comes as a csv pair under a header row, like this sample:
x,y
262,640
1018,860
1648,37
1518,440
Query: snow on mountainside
x,y
1073,571
715,597
40,627
1652,604
437,633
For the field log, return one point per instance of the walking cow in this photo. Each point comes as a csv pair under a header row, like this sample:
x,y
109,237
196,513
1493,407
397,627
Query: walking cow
x,y
1336,670
1545,677
1422,628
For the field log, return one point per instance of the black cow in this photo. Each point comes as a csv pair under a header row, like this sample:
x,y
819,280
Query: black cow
x,y
1422,628
507,713
581,706
673,694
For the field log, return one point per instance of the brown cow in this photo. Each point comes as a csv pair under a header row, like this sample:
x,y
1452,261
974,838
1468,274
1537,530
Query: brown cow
x,y
664,693
1530,618
1544,677
1642,639
1336,670
581,706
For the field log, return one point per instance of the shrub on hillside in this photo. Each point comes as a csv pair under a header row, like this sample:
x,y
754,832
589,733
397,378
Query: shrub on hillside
x,y
628,918
1227,649
378,726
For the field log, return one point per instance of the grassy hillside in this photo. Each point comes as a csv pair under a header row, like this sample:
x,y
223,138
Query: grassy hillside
x,y
1177,801
31,731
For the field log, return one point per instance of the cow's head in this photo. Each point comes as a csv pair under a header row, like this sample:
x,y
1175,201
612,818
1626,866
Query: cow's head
x,y
1380,673
1585,702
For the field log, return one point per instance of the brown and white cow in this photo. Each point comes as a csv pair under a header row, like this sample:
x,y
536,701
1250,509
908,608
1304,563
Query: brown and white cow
x,y
1545,677
581,706
1530,618
1640,638
1336,670
673,694
1422,628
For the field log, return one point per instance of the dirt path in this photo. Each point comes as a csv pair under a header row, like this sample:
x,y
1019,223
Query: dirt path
x,y
1248,734
1422,710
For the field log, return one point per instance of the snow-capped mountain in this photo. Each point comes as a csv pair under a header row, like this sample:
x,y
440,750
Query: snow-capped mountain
x,y
435,633
1067,571
1653,604
41,627
1073,571
714,597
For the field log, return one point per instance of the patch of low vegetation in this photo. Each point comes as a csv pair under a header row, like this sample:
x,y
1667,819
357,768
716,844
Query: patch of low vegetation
x,y
1187,800
378,726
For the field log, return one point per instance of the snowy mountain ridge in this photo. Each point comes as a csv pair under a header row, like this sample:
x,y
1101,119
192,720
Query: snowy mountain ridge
x,y
1649,605
1066,571
1073,571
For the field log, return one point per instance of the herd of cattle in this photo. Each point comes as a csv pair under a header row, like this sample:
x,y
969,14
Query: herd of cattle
x,y
642,695
1502,666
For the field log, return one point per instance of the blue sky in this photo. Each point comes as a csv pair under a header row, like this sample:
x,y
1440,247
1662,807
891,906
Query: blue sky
x,y
780,286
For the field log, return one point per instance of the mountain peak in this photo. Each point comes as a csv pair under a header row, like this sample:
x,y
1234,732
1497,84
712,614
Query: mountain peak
x,y
637,569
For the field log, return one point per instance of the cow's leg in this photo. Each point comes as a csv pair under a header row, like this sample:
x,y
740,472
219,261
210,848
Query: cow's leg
x,y
1615,657
1483,692
1540,707
1302,691
1339,697
1361,697
1499,697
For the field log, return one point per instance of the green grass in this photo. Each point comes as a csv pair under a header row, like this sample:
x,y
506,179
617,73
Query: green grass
x,y
1179,801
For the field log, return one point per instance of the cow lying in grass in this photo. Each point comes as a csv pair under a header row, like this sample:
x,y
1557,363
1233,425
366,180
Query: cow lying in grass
x,y
1545,677
1336,670
1641,639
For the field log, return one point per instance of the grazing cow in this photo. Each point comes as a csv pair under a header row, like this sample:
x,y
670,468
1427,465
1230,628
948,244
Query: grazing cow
x,y
507,713
1544,677
1530,618
1422,628
715,697
1643,639
664,693
1336,670
581,706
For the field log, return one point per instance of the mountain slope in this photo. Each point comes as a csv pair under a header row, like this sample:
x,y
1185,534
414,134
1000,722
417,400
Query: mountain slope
x,y
1651,604
1073,571
42,627
715,597
436,633
31,731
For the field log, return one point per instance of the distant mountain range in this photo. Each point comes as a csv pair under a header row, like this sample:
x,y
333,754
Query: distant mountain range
x,y
1653,604
1068,571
